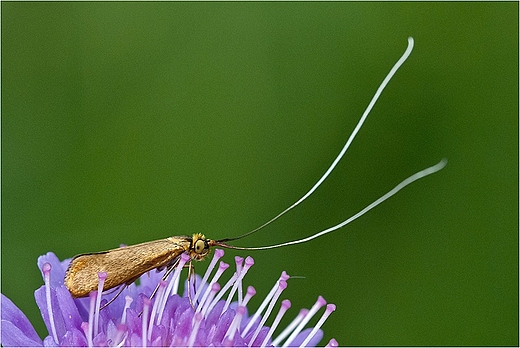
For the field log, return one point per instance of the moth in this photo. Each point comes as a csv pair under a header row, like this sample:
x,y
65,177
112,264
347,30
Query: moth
x,y
124,265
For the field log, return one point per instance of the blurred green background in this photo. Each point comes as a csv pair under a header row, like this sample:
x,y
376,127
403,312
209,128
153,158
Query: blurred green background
x,y
129,122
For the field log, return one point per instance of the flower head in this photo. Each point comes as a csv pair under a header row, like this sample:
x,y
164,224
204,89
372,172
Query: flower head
x,y
210,315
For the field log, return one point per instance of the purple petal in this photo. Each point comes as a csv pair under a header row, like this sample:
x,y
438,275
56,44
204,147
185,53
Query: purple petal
x,y
172,303
135,340
13,315
82,304
214,314
74,338
57,271
12,336
49,342
133,321
223,325
100,340
184,326
150,280
298,340
159,335
68,308
41,301
260,338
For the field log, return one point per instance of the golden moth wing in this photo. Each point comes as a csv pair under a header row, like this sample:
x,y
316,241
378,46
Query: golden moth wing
x,y
122,265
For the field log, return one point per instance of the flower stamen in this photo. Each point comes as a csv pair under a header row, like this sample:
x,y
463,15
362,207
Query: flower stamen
x,y
282,284
222,267
174,282
222,292
216,256
330,308
250,293
158,307
128,302
91,314
215,288
195,330
290,327
286,304
284,276
86,329
241,271
235,325
144,320
101,277
319,303
332,343
47,278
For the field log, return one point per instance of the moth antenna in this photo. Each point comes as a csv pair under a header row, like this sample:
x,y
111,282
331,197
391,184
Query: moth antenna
x,y
399,187
387,79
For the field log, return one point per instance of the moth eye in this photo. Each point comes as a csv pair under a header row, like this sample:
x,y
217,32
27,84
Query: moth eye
x,y
199,246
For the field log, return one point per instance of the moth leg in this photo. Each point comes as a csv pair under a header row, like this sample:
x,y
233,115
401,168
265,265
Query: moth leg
x,y
191,273
169,270
121,288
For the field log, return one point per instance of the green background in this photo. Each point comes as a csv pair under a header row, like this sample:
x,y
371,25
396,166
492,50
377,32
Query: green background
x,y
129,122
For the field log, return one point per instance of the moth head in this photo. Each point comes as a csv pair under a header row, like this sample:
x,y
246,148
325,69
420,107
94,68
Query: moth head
x,y
199,247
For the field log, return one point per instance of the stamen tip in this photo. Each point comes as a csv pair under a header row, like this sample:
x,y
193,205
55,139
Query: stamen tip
x,y
284,276
241,310
250,261
46,268
332,343
146,302
321,301
286,304
219,253
223,266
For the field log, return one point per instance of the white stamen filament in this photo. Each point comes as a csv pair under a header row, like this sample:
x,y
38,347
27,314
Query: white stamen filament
x,y
286,304
290,327
235,324
282,284
195,330
215,288
101,276
176,275
128,302
216,256
144,321
250,293
160,303
46,268
319,303
249,262
155,307
330,308
264,303
222,267
91,313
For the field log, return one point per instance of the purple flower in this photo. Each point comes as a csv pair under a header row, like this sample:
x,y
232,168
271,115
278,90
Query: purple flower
x,y
213,314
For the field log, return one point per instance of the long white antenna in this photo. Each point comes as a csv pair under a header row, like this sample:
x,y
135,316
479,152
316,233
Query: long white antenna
x,y
387,79
372,205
